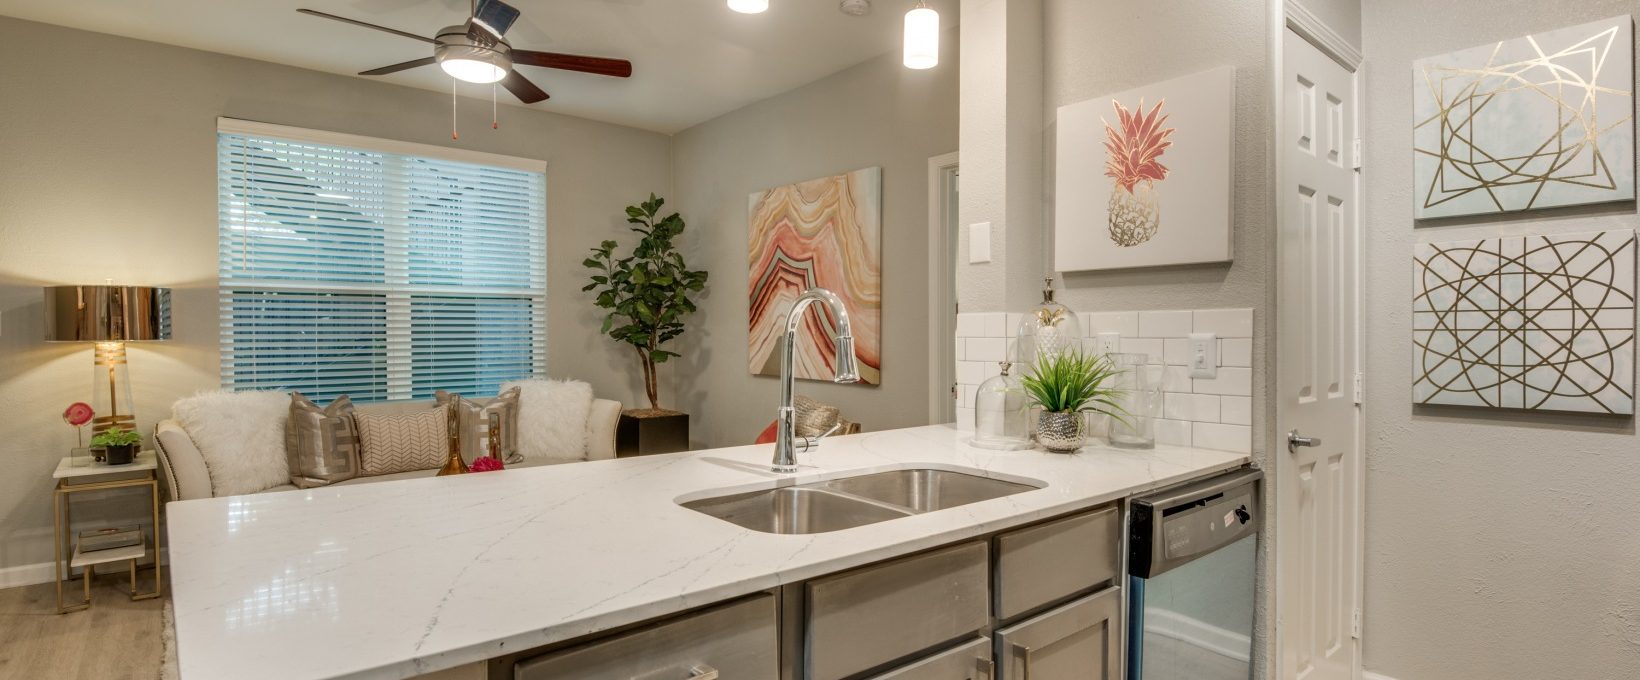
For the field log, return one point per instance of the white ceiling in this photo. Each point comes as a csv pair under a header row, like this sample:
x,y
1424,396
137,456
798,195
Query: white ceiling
x,y
692,59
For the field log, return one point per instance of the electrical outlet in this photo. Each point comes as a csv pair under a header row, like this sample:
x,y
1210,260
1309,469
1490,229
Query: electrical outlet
x,y
1110,342
1204,355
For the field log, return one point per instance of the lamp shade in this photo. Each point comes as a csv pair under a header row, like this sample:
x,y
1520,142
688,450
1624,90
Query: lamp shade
x,y
107,313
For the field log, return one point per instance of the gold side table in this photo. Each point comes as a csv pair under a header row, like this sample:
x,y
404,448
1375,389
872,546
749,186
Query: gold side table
x,y
142,472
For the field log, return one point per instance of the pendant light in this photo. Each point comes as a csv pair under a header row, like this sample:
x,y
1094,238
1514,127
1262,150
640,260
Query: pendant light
x,y
922,37
749,6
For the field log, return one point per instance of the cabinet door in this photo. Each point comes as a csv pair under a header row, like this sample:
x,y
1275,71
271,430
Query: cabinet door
x,y
969,661
1050,562
733,641
1081,640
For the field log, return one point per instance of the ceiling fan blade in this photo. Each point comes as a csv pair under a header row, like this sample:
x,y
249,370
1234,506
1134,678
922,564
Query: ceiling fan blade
x,y
356,22
619,68
522,88
401,66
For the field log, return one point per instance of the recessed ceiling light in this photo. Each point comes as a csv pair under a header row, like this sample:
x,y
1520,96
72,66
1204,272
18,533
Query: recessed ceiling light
x,y
855,8
749,6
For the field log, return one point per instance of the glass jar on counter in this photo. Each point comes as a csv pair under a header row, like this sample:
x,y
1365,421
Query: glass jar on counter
x,y
1002,412
1047,329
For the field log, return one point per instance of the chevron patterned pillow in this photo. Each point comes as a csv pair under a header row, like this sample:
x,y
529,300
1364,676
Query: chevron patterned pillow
x,y
402,442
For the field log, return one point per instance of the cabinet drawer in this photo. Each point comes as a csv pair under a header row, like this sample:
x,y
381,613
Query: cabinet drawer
x,y
737,640
971,661
873,615
1077,641
1041,564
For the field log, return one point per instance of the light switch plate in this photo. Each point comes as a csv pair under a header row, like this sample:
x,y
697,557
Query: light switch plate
x,y
1203,355
1110,342
979,242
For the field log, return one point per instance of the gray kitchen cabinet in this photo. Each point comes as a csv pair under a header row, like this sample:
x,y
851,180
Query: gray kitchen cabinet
x,y
1049,562
967,661
733,641
1081,640
871,616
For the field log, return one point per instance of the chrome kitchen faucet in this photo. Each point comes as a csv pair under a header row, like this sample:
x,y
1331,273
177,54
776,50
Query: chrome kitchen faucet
x,y
785,449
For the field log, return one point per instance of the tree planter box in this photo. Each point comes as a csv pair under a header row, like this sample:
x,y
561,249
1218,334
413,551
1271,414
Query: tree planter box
x,y
643,432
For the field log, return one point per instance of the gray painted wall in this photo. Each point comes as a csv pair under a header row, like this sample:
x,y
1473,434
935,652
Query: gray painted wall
x,y
875,114
1499,544
110,172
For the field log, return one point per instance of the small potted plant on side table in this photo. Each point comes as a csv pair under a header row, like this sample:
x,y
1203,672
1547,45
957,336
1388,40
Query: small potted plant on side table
x,y
119,445
647,294
1066,384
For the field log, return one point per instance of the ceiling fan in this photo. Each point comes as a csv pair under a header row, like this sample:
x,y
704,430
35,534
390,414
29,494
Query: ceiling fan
x,y
476,52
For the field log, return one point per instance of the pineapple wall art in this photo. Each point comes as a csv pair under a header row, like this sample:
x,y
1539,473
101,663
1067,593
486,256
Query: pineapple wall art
x,y
1143,177
1133,149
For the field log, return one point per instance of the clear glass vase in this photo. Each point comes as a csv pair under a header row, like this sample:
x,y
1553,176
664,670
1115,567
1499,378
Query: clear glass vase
x,y
1046,330
1002,412
1140,397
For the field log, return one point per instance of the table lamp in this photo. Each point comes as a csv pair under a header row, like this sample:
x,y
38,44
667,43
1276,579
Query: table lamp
x,y
110,316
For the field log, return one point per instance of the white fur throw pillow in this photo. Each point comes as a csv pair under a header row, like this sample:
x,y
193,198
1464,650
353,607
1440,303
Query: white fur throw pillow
x,y
552,418
241,435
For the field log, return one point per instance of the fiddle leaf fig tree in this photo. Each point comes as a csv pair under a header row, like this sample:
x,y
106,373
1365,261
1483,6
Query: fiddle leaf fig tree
x,y
647,293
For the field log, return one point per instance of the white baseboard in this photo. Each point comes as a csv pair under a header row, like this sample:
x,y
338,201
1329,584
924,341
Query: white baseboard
x,y
1369,675
1199,633
25,575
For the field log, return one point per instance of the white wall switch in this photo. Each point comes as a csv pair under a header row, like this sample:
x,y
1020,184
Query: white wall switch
x,y
1204,355
979,242
1109,342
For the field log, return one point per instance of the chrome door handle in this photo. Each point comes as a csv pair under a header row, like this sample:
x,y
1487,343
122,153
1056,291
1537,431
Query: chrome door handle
x,y
703,672
1294,441
1024,661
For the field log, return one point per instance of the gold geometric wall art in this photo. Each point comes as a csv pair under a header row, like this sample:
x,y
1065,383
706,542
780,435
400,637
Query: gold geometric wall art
x,y
1526,322
1540,121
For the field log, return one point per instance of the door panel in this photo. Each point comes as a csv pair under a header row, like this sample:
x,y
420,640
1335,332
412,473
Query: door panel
x,y
1318,488
1079,641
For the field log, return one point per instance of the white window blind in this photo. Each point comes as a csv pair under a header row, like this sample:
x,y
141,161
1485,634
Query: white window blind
x,y
380,270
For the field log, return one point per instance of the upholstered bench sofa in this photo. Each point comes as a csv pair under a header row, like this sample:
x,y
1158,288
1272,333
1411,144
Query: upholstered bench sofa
x,y
188,476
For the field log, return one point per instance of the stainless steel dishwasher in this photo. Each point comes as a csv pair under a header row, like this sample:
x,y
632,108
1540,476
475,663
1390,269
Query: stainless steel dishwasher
x,y
1192,551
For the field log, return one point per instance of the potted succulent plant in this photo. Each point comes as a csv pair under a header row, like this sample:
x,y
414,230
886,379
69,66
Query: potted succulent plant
x,y
648,295
1067,384
119,444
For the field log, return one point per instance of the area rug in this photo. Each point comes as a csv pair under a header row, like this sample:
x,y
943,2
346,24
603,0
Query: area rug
x,y
168,644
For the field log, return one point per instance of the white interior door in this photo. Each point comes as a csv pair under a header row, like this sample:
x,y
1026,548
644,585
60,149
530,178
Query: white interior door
x,y
1318,494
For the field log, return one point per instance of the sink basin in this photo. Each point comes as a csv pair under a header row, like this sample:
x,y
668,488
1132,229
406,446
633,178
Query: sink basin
x,y
795,510
836,504
925,490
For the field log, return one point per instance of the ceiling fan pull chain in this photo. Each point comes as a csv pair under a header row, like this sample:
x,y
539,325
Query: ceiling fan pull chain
x,y
495,117
454,134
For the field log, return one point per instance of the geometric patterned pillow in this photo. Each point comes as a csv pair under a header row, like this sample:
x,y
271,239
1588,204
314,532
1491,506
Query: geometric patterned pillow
x,y
321,445
474,421
403,442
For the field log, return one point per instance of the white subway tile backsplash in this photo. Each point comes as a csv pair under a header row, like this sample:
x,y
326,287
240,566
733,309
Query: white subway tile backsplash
x,y
1233,381
1151,347
1211,413
1236,352
1165,324
989,350
1200,408
1173,432
1125,323
1227,323
1236,438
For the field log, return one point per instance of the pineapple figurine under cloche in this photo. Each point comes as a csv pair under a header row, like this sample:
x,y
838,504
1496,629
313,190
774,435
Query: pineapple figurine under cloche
x,y
1046,329
1132,162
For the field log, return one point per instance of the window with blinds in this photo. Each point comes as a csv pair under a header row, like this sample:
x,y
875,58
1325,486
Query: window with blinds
x,y
376,269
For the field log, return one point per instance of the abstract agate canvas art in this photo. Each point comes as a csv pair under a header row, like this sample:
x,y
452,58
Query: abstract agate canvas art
x,y
1143,177
825,232
1541,121
1526,322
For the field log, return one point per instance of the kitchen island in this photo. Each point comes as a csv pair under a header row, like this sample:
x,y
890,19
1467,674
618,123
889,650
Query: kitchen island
x,y
405,578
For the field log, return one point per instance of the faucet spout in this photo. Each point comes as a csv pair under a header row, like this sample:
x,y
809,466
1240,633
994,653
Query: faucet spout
x,y
846,370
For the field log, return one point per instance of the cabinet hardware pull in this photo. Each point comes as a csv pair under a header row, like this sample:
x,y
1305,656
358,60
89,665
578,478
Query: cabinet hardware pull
x,y
988,667
703,672
1024,661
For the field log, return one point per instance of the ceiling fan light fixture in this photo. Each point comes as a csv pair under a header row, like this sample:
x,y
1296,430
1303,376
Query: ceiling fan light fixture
x,y
749,6
922,37
472,70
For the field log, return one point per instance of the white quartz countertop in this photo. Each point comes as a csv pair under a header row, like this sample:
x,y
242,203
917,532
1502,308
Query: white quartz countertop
x,y
401,578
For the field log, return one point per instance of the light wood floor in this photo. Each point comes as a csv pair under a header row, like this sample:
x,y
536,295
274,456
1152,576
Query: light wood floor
x,y
116,639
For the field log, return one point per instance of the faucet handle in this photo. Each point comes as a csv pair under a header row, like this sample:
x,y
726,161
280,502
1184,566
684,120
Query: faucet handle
x,y
810,443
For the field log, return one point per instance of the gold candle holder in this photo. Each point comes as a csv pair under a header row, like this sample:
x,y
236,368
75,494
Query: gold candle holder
x,y
453,465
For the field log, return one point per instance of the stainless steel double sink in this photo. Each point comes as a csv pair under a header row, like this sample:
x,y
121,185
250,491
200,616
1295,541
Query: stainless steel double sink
x,y
847,502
